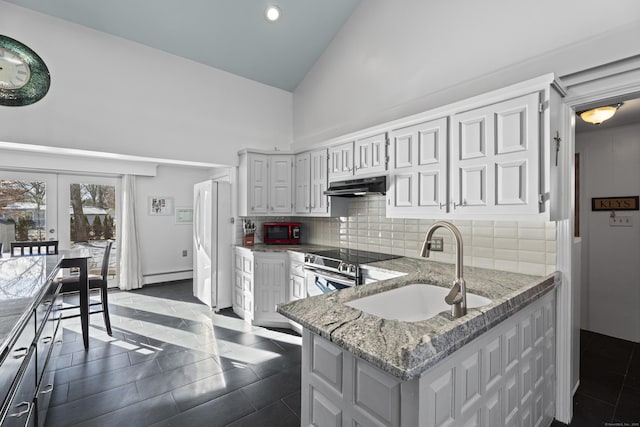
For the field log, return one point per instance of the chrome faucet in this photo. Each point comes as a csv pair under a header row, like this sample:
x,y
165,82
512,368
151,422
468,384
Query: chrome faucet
x,y
457,297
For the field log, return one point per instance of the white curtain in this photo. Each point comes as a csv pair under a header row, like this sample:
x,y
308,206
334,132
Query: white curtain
x,y
130,267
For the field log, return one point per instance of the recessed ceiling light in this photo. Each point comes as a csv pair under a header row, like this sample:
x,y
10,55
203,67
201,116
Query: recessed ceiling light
x,y
272,13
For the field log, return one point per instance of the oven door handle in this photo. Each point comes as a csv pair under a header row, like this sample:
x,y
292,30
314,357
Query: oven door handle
x,y
333,277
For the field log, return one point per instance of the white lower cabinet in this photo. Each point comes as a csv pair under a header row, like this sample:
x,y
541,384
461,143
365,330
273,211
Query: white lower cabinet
x,y
505,377
260,284
243,283
296,286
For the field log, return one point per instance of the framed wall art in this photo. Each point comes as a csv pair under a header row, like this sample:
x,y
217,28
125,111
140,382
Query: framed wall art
x,y
160,205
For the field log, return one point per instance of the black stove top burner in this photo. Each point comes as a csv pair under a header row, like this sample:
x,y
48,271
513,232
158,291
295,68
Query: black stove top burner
x,y
354,256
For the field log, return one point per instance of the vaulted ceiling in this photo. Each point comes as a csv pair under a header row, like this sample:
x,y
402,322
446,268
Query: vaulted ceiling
x,y
231,35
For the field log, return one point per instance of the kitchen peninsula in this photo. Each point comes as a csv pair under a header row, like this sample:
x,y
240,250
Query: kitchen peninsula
x,y
29,334
493,366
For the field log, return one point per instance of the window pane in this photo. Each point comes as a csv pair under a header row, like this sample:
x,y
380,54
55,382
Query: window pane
x,y
92,216
23,206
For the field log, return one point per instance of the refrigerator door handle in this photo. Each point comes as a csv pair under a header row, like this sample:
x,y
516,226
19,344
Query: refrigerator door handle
x,y
198,226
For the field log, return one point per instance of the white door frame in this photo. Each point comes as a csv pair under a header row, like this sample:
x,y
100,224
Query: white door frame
x,y
601,83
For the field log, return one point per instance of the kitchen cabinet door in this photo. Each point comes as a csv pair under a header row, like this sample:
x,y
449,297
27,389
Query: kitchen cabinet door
x,y
370,155
319,181
243,283
280,184
265,184
258,184
418,170
270,279
302,183
341,161
495,158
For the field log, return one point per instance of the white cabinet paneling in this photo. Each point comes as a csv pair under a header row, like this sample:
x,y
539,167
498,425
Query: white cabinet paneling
x,y
495,162
260,283
296,288
280,184
319,181
504,377
265,184
302,183
341,161
370,155
418,170
311,181
243,283
362,157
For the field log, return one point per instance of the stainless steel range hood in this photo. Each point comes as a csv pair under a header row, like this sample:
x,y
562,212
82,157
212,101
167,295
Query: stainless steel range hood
x,y
358,187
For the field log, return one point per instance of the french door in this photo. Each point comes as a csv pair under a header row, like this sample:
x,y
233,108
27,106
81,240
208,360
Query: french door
x,y
76,210
28,207
88,212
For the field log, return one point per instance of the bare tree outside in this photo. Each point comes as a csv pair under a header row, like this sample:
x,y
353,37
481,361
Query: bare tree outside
x,y
81,225
24,203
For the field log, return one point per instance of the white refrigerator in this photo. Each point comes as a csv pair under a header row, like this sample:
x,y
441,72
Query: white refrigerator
x,y
212,236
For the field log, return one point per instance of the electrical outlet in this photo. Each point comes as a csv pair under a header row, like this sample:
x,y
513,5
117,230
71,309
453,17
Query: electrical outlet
x,y
184,252
437,244
620,221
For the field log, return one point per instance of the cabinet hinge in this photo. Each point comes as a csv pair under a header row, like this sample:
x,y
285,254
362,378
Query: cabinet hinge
x,y
543,198
541,107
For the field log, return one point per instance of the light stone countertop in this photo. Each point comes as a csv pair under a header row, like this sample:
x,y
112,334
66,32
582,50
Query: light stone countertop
x,y
406,349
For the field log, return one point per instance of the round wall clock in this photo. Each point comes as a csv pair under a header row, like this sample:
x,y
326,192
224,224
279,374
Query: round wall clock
x,y
24,77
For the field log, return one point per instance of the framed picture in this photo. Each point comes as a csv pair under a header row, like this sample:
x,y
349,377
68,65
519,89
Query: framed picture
x,y
160,205
184,215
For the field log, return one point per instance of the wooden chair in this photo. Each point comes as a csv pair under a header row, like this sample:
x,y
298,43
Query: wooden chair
x,y
45,247
71,284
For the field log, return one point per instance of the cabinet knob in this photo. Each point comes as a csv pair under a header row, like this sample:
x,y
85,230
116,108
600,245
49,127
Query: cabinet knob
x,y
442,205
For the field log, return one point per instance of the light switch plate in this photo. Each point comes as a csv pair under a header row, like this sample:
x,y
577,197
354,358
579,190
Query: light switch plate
x,y
620,221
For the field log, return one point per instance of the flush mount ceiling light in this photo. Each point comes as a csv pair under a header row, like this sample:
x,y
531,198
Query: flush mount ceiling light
x,y
599,114
272,13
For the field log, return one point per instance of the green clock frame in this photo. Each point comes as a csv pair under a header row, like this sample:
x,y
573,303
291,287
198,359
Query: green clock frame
x,y
39,82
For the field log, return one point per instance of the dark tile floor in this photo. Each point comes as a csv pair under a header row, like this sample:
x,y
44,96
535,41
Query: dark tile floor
x,y
172,362
609,391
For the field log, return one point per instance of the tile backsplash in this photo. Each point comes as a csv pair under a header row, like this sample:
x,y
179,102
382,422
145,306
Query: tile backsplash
x,y
516,246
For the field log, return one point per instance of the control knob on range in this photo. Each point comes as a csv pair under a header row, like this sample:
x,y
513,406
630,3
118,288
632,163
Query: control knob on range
x,y
346,268
309,258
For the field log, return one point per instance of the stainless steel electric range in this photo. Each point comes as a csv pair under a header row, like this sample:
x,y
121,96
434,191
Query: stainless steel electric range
x,y
335,269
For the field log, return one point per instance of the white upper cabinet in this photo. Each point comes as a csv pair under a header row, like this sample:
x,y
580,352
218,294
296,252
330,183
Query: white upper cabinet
x,y
341,161
265,184
370,155
311,176
258,180
418,170
362,157
495,153
302,183
319,182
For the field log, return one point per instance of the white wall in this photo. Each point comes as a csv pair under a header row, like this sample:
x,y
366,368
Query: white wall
x,y
161,239
609,160
396,58
109,94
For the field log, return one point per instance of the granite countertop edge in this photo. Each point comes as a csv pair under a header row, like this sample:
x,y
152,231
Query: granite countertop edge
x,y
407,349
